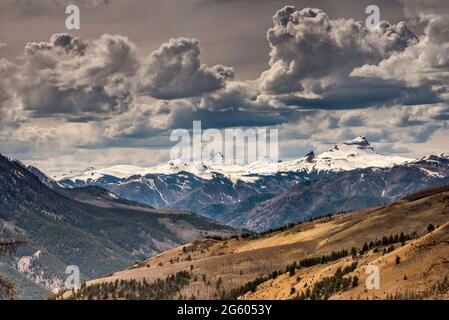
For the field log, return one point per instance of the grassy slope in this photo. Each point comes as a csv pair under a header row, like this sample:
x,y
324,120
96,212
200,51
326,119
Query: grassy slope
x,y
239,261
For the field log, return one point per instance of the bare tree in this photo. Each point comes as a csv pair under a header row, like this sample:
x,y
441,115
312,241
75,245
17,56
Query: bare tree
x,y
7,288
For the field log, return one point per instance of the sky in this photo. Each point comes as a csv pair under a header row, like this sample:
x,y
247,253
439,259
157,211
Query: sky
x,y
113,91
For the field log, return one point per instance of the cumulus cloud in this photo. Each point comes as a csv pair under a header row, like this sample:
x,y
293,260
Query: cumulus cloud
x,y
311,53
73,77
174,71
425,64
234,95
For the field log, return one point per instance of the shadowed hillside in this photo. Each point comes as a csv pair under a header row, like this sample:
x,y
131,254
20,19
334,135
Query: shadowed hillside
x,y
91,228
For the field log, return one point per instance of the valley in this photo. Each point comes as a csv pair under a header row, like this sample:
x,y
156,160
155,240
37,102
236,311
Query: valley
x,y
91,228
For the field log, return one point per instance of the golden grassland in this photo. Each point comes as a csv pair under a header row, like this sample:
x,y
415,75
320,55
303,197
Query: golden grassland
x,y
218,266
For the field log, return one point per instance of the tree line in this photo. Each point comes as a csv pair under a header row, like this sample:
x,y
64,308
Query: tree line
x,y
326,287
325,258
160,289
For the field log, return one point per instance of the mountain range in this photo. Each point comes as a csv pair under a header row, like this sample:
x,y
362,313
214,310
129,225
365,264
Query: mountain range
x,y
105,220
268,194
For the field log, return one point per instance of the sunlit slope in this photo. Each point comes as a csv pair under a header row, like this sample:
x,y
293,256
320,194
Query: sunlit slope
x,y
222,265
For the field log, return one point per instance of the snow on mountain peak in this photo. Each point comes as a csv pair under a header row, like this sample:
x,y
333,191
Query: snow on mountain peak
x,y
353,154
360,142
350,155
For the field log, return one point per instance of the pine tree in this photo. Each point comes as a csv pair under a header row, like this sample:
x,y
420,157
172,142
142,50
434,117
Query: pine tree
x,y
365,247
7,288
355,281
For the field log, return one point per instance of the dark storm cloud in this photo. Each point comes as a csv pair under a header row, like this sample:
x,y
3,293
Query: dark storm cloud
x,y
443,117
359,93
231,118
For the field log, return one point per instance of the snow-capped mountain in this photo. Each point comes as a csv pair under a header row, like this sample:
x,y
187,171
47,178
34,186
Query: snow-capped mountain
x,y
229,192
350,155
342,191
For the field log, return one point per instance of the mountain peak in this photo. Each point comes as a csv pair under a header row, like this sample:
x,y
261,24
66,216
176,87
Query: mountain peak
x,y
360,142
310,156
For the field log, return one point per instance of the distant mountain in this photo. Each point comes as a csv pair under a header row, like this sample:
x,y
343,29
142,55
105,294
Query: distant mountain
x,y
266,194
91,228
350,155
354,154
214,186
344,191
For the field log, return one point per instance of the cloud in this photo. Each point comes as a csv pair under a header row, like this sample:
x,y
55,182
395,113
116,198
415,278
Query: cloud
x,y
352,120
425,64
399,126
72,77
310,53
425,9
4,94
328,80
234,95
174,71
10,114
